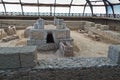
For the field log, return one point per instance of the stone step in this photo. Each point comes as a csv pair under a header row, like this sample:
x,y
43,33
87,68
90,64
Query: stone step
x,y
49,46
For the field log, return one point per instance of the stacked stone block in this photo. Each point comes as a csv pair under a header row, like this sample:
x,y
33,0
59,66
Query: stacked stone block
x,y
39,24
98,26
59,23
89,24
18,57
39,35
2,33
10,30
114,53
82,24
74,68
104,27
66,49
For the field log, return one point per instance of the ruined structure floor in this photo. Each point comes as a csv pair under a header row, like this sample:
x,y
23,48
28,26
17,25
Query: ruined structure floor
x,y
83,46
86,47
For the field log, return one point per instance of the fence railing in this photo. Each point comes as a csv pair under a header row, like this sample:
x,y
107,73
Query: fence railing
x,y
59,14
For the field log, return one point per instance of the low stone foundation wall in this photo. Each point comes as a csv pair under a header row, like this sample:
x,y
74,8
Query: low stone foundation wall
x,y
67,69
66,49
18,57
73,68
105,34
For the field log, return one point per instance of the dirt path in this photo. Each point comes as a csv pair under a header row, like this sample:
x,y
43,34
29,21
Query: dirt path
x,y
87,47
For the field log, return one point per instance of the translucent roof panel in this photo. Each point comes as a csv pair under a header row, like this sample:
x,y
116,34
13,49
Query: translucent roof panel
x,y
87,10
47,1
109,10
79,1
13,8
1,8
114,1
44,9
99,10
63,1
77,9
117,9
11,0
61,10
29,1
30,9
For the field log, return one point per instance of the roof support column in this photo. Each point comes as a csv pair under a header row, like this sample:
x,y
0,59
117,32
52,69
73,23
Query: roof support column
x,y
21,7
105,7
84,8
90,5
54,7
4,7
38,8
111,8
50,10
70,7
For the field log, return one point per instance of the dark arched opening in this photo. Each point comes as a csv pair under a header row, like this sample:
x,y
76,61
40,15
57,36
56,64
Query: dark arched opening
x,y
50,38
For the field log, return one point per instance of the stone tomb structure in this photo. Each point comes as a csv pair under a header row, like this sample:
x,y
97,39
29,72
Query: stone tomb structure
x,y
48,37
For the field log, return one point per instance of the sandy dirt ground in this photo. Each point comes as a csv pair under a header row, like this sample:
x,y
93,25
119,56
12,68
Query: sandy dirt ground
x,y
86,47
83,46
17,42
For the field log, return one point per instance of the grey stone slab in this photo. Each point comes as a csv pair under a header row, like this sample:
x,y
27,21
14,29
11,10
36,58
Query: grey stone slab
x,y
16,57
75,62
114,53
39,24
9,57
28,56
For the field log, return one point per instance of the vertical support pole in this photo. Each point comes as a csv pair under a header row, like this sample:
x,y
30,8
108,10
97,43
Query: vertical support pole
x,y
50,10
4,7
70,7
21,7
84,8
54,8
38,8
90,5
111,8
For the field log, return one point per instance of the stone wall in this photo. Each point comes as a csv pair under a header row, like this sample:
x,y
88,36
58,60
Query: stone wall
x,y
66,49
66,69
73,24
17,57
114,53
73,68
105,34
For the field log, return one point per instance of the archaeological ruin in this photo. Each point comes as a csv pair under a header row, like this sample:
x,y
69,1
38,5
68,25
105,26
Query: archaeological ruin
x,y
59,40
48,38
50,50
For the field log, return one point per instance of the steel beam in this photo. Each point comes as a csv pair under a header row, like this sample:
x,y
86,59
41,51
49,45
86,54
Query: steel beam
x,y
38,7
105,6
90,5
21,7
54,7
4,6
70,7
42,4
84,8
111,7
